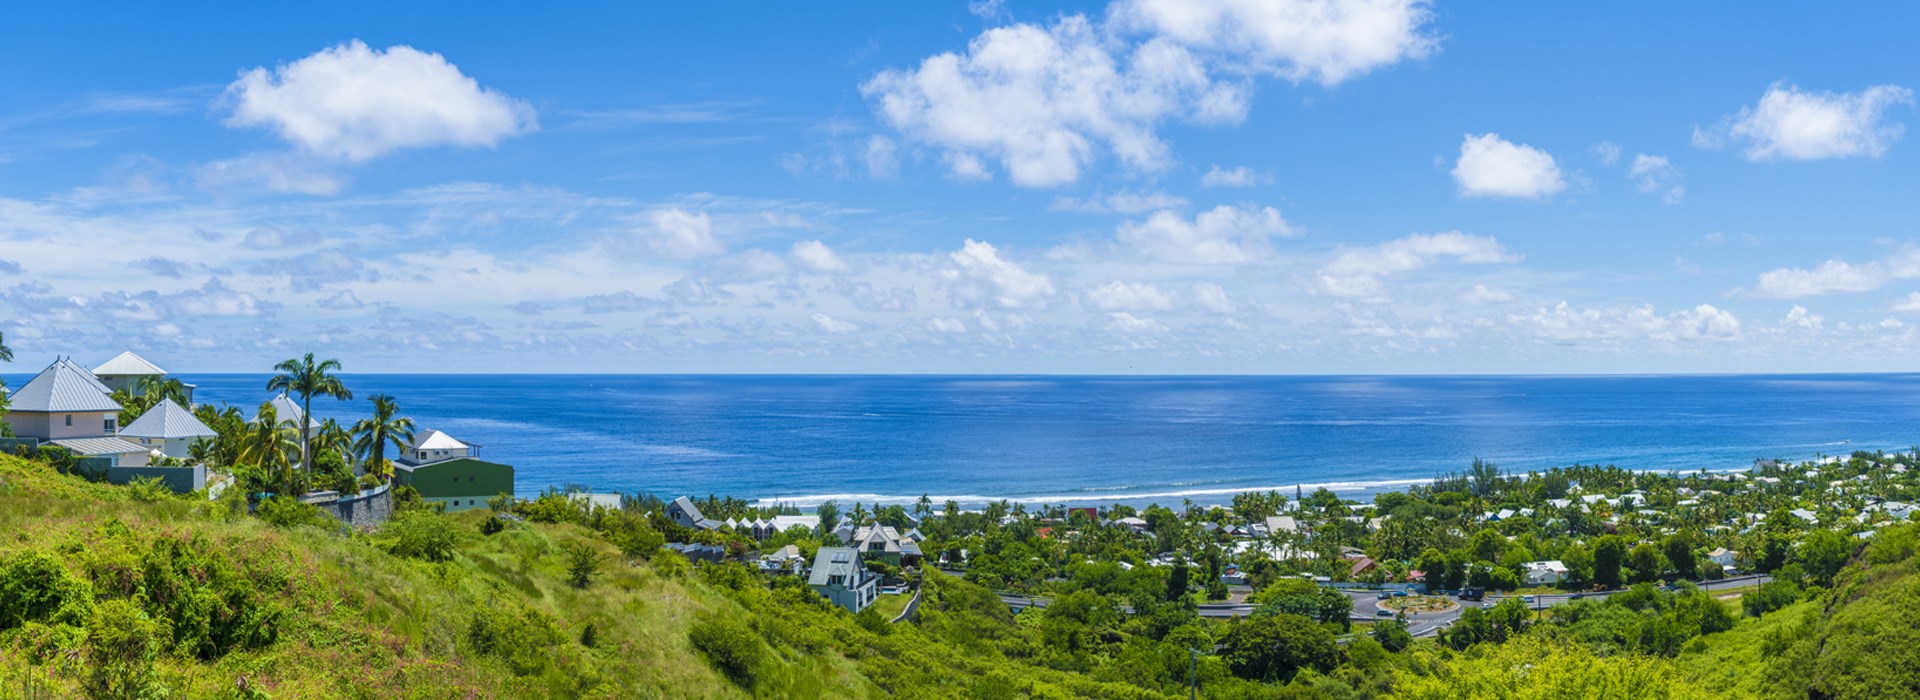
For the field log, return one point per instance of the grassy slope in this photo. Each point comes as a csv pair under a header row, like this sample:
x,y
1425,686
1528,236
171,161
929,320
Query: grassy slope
x,y
360,623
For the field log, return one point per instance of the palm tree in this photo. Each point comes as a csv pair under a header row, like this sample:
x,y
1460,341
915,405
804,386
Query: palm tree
x,y
386,427
271,442
6,353
307,378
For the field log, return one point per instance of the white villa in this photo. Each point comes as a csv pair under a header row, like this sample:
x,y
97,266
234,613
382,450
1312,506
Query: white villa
x,y
167,427
1545,573
840,576
126,371
287,409
1724,557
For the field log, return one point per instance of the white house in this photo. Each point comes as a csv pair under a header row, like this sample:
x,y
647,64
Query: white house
x,y
1545,573
840,577
287,409
63,401
1723,556
126,371
167,427
435,446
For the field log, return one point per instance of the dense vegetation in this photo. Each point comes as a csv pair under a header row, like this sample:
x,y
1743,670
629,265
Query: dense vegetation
x,y
131,592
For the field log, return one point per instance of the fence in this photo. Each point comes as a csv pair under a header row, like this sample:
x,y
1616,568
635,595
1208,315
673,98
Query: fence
x,y
365,510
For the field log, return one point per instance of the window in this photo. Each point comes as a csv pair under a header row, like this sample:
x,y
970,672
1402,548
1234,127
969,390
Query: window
x,y
110,422
69,420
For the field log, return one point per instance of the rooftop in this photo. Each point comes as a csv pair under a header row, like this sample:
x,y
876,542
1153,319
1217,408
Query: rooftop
x,y
63,388
167,420
128,363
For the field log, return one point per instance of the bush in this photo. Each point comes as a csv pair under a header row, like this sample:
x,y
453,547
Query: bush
x,y
148,489
34,587
122,642
422,535
729,644
583,563
492,525
286,511
521,636
1771,596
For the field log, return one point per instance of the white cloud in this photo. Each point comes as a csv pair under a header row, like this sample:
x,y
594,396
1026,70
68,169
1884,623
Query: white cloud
x,y
354,103
1566,323
1129,296
1211,298
1123,322
1839,276
986,9
1492,167
883,158
1483,294
1909,304
1045,101
1790,124
675,233
270,172
1655,174
1124,202
1242,176
1608,152
1800,317
1358,272
946,325
830,324
1327,41
816,256
1224,235
981,277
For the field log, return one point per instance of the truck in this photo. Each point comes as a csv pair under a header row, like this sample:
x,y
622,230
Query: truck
x,y
1473,593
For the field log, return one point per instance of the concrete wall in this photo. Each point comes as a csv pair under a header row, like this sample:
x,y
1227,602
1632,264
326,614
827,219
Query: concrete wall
x,y
364,511
177,448
180,479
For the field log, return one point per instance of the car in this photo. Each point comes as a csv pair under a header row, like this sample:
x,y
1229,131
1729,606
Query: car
x,y
1527,599
1384,613
1488,605
1399,594
1576,596
1385,595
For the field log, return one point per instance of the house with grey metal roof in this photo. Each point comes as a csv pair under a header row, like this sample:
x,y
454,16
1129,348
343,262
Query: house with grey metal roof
x,y
118,452
125,371
843,579
63,401
169,428
684,513
287,409
882,542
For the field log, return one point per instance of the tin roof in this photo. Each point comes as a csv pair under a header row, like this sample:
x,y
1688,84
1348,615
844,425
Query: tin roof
x,y
63,387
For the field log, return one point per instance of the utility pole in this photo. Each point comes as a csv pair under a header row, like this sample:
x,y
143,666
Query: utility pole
x,y
1193,673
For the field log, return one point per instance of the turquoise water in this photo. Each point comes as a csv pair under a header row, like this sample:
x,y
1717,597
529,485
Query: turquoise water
x,y
804,439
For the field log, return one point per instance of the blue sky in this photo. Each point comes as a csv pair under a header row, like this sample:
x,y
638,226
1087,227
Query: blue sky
x,y
1211,186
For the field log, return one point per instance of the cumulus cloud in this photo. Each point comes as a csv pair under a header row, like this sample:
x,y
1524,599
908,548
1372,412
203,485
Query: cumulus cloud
x,y
1565,323
830,324
351,102
817,257
278,172
1839,276
1325,41
946,325
1359,272
1242,176
1043,102
1652,174
1212,298
1792,124
1490,166
1907,305
1224,235
980,276
1800,317
675,233
1129,296
1123,322
1483,294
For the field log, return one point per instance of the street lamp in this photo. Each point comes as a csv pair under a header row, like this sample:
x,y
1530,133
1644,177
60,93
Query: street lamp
x,y
1193,673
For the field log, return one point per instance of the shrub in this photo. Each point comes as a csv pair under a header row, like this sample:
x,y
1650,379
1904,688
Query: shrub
x,y
34,587
421,535
286,511
492,525
1770,596
583,563
521,636
122,642
729,644
148,489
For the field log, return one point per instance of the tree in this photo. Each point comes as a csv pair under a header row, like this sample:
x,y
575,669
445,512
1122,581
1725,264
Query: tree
x,y
1293,596
385,427
307,378
1680,556
1609,553
1646,562
1272,648
6,353
583,563
270,444
829,513
1392,635
1822,554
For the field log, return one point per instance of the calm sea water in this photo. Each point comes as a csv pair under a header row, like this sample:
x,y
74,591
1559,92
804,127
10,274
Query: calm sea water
x,y
804,439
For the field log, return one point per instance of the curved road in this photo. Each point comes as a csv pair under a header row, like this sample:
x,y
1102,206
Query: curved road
x,y
1366,604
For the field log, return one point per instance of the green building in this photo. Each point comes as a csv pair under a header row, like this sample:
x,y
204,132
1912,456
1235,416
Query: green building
x,y
444,470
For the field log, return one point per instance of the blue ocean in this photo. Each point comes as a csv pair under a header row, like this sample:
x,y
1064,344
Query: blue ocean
x,y
1085,440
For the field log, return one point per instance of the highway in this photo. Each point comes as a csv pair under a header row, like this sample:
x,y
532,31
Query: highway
x,y
1366,604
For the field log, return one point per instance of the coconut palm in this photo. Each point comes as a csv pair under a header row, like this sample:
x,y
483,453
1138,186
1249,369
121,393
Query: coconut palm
x,y
308,378
270,443
6,353
386,427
